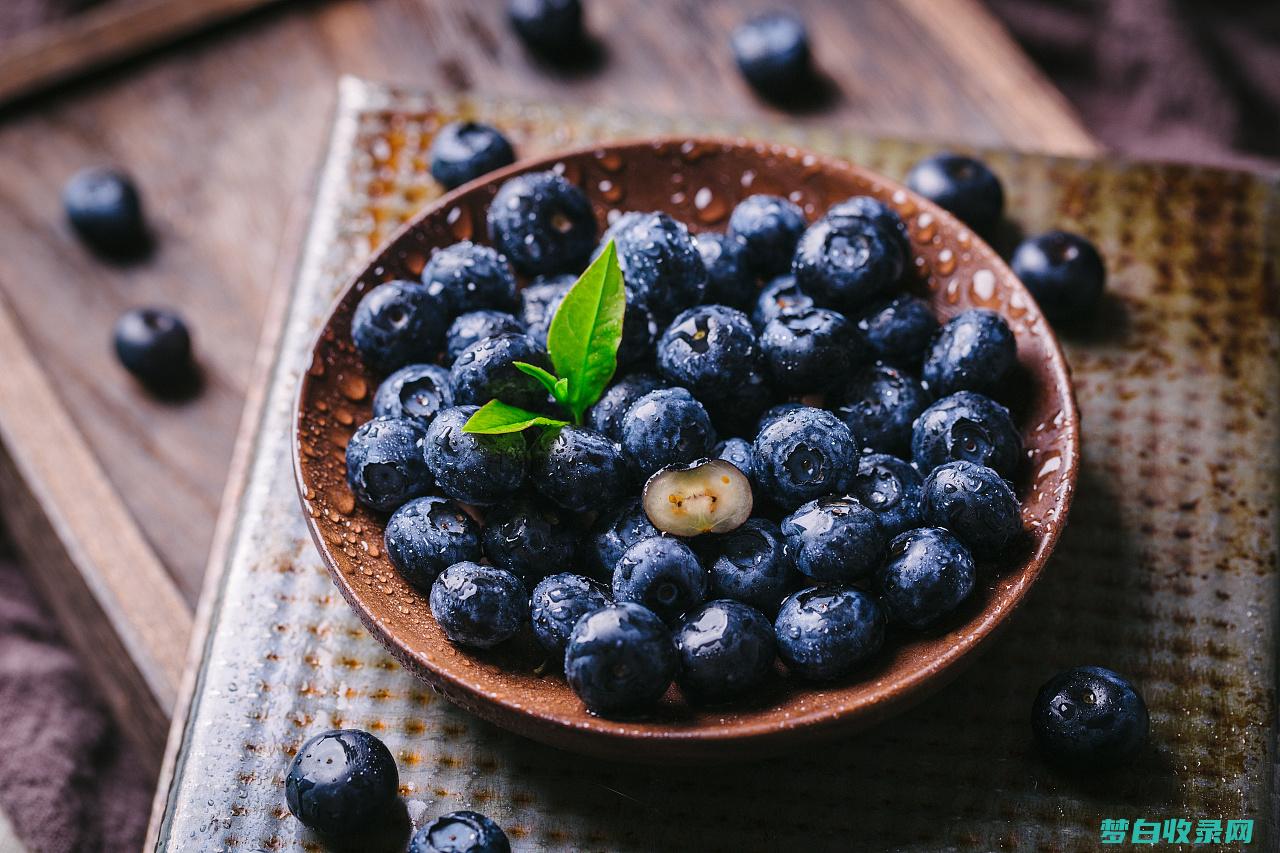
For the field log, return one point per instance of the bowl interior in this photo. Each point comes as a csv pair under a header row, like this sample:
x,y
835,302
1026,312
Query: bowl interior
x,y
699,182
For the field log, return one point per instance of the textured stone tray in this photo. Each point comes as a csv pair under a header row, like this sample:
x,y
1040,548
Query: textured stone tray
x,y
1166,572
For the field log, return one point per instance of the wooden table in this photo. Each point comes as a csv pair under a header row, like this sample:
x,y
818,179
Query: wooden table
x,y
223,133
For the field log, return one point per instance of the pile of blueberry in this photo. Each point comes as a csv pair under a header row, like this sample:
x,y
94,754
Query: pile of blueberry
x,y
793,454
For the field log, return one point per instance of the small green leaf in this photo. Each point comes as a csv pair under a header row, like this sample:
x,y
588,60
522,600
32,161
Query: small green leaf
x,y
586,330
561,391
548,381
496,417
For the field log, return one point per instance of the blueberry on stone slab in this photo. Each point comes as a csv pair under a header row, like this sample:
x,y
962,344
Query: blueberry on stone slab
x,y
804,454
414,391
928,575
615,531
663,574
543,224
666,427
706,496
464,150
529,538
427,535
154,345
341,782
486,371
475,326
556,605
1064,272
781,295
539,301
825,632
578,468
751,565
963,185
470,277
606,415
969,427
899,330
834,539
710,349
478,606
620,659
769,227
880,405
975,503
470,467
726,651
729,282
105,210
1089,718
385,466
810,349
876,212
891,488
659,262
975,351
399,323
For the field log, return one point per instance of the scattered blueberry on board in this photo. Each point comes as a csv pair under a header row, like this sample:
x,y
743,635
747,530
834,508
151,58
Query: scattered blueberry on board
x,y
105,210
464,150
154,345
1089,718
548,26
341,782
772,52
460,832
1064,272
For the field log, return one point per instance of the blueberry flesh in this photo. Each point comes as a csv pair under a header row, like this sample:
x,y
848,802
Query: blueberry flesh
x,y
666,427
154,345
414,391
577,468
975,503
769,227
543,224
772,52
661,264
779,296
880,404
529,539
105,210
710,349
478,606
385,467
825,632
729,282
892,489
606,415
879,214
899,331
803,455
834,539
663,574
547,27
847,263
929,573
470,277
539,301
620,659
969,427
486,371
726,651
341,782
613,533
475,326
965,186
810,349
428,535
1064,272
751,565
472,468
975,351
1089,718
464,150
556,605
398,323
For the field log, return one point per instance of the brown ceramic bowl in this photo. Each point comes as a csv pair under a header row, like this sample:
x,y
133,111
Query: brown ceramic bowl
x,y
698,181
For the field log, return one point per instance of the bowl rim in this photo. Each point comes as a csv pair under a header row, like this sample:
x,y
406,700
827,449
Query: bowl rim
x,y
618,737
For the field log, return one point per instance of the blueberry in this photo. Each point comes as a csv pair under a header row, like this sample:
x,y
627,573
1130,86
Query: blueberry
x,y
543,224
775,413
475,326
879,214
779,296
970,427
663,574
847,263
486,371
104,208
154,345
529,539
962,185
341,782
975,351
973,502
415,391
769,227
737,451
577,468
729,282
384,462
460,832
665,427
557,603
428,535
711,350
772,52
740,410
539,301
809,349
620,659
929,573
548,27
706,496
891,488
825,632
606,415
616,530
751,565
398,323
726,651
880,404
639,331
1089,718
478,606
475,469
661,264
464,150
1064,272
470,277
834,539
803,455
899,331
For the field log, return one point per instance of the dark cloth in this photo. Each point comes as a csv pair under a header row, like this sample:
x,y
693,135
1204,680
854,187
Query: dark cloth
x,y
1163,79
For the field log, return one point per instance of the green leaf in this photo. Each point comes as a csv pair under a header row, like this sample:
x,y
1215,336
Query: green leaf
x,y
561,391
586,330
548,381
496,417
